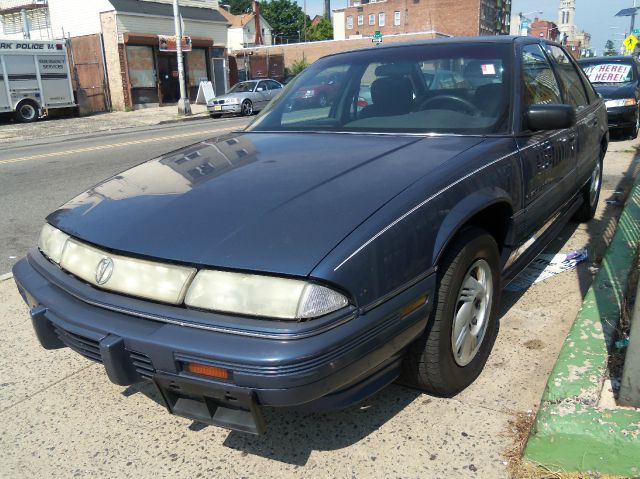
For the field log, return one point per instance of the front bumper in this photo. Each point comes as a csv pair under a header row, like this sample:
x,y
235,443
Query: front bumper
x,y
622,116
331,369
225,108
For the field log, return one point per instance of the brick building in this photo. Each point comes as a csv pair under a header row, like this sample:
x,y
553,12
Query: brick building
x,y
362,18
544,29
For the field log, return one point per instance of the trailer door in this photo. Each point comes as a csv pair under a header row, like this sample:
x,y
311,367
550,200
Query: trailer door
x,y
5,104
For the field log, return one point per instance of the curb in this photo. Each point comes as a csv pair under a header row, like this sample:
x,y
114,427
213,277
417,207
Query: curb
x,y
196,116
570,432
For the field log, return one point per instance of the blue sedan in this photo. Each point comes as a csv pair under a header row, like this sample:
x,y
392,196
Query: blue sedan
x,y
326,250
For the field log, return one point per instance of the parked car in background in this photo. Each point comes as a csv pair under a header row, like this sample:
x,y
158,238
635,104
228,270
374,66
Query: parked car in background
x,y
313,258
245,98
320,91
617,80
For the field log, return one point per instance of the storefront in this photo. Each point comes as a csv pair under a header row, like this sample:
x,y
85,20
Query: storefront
x,y
153,72
142,64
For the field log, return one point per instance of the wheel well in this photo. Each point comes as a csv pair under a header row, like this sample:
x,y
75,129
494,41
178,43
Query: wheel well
x,y
495,220
604,144
27,100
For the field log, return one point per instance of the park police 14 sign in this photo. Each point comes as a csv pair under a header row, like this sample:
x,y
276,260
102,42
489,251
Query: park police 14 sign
x,y
28,46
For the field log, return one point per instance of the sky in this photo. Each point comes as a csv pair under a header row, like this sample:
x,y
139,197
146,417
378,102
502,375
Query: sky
x,y
594,16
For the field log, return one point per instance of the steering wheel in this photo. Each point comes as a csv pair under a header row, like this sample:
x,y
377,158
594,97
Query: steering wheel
x,y
468,106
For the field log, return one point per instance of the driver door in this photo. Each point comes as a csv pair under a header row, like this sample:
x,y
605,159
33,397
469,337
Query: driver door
x,y
548,157
262,94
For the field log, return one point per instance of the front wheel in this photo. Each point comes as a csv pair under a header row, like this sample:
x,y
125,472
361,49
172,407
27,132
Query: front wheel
x,y
247,108
461,332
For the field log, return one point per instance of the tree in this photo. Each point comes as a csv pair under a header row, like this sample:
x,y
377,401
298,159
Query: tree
x,y
610,49
297,67
285,17
322,31
238,7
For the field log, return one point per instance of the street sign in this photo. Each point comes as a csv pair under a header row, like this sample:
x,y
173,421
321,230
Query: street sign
x,y
377,37
630,42
636,31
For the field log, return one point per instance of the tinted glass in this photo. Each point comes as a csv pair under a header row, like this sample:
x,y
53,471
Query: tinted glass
x,y
539,82
572,88
274,85
455,88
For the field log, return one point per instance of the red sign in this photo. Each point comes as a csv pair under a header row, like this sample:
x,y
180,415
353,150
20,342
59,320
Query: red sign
x,y
167,43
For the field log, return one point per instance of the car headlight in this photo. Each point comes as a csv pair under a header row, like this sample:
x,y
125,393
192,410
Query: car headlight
x,y
620,102
52,242
233,101
258,295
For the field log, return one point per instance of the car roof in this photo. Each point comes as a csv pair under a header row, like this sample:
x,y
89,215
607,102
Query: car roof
x,y
615,58
500,39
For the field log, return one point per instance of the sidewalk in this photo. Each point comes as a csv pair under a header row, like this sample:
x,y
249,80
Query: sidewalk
x,y
11,131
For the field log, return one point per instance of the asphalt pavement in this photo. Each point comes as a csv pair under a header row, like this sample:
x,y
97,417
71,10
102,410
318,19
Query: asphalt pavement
x,y
38,175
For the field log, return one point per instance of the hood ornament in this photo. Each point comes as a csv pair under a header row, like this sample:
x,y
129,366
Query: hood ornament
x,y
104,270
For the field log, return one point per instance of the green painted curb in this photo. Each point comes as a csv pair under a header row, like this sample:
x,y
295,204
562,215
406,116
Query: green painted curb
x,y
570,432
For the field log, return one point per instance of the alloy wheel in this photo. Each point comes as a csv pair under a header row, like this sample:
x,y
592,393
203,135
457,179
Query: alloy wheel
x,y
472,312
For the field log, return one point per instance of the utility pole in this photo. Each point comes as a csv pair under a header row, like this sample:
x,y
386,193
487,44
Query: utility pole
x,y
184,108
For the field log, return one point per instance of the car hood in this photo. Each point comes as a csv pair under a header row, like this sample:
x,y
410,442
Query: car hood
x,y
271,202
615,91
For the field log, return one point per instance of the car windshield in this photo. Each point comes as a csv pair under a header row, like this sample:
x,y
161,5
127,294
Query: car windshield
x,y
608,72
439,88
242,87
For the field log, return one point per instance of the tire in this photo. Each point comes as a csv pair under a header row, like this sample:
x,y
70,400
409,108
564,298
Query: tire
x,y
632,133
26,112
323,100
431,363
247,108
215,115
590,195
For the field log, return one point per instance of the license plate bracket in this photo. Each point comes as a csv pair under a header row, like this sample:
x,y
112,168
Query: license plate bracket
x,y
223,405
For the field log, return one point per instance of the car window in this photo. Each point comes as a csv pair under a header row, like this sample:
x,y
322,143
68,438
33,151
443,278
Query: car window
x,y
274,85
263,85
539,82
242,87
455,88
572,88
608,72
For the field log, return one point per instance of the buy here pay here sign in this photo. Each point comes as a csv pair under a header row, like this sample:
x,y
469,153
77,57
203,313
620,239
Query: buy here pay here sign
x,y
608,73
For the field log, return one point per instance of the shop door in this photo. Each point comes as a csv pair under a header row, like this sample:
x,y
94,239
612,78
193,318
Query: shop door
x,y
89,76
168,78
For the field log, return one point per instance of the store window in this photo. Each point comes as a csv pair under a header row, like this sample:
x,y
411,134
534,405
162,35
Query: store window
x,y
141,69
197,66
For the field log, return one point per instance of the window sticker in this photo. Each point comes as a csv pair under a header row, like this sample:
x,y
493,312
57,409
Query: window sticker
x,y
488,69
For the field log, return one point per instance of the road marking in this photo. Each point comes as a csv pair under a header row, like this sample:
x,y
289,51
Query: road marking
x,y
4,277
106,147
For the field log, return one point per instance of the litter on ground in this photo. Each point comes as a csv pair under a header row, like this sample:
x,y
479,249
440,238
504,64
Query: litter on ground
x,y
546,266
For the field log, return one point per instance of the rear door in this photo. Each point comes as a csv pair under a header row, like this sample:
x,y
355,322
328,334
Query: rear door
x,y
5,104
586,139
548,157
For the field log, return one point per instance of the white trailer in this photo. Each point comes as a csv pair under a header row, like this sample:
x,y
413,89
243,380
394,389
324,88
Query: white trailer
x,y
34,78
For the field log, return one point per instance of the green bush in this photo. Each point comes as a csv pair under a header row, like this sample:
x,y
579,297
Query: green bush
x,y
298,66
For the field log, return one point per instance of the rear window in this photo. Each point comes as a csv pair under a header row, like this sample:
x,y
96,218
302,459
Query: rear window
x,y
615,72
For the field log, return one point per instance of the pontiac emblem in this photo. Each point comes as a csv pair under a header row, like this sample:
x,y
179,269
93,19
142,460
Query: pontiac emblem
x,y
104,270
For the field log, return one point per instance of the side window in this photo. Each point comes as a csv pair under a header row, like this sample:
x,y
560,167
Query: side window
x,y
274,85
572,88
262,85
539,82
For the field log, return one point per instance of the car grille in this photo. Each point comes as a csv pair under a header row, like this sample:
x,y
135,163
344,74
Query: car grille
x,y
80,344
90,349
143,364
218,102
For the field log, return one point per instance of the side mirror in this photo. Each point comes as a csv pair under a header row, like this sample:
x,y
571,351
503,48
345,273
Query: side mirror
x,y
260,89
550,117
